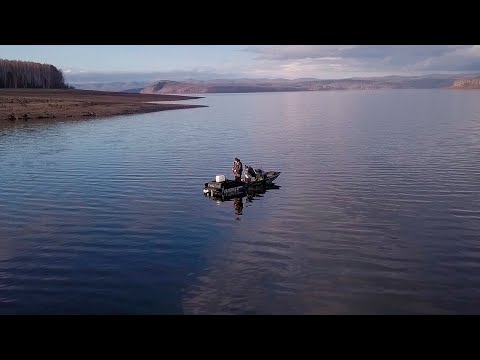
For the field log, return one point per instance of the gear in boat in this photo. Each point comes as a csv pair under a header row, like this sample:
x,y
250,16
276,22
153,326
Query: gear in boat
x,y
251,179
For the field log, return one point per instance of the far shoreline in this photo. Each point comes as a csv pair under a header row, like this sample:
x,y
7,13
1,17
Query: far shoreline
x,y
71,104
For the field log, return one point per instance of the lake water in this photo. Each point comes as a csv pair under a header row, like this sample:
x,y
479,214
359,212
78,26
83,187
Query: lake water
x,y
377,210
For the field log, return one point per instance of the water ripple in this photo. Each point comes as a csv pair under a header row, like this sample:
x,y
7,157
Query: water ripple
x,y
377,210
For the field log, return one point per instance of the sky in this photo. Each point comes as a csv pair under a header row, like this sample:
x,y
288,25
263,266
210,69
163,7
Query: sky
x,y
103,63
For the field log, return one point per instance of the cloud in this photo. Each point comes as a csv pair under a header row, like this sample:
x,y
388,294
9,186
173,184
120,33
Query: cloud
x,y
406,59
460,58
292,52
313,61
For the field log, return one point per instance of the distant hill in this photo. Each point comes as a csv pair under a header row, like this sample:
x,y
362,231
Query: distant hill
x,y
16,74
275,85
223,86
467,84
193,86
113,86
133,91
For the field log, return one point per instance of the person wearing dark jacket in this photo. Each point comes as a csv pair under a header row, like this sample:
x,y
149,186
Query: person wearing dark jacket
x,y
237,169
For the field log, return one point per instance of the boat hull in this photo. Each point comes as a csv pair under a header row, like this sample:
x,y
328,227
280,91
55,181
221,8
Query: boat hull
x,y
231,188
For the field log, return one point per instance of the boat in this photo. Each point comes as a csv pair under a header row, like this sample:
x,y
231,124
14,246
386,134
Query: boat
x,y
251,180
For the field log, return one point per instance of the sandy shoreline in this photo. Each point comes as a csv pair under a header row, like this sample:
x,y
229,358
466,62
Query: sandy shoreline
x,y
32,104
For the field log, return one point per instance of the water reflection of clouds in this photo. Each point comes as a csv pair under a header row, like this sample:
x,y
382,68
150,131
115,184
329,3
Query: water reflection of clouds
x,y
345,243
359,225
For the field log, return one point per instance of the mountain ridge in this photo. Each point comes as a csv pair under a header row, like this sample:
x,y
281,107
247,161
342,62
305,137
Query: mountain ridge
x,y
248,85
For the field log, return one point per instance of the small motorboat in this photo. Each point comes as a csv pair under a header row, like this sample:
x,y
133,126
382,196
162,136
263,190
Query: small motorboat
x,y
250,180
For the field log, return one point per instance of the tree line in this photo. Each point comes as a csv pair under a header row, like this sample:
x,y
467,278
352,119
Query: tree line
x,y
26,74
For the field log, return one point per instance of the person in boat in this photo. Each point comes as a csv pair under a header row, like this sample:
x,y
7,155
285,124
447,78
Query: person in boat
x,y
249,170
237,169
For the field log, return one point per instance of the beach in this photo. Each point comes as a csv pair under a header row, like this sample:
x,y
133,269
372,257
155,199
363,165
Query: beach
x,y
61,104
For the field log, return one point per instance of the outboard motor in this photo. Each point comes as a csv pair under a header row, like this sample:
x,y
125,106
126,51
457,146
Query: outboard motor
x,y
249,174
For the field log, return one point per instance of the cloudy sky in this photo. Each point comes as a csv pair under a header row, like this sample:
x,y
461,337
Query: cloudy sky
x,y
153,62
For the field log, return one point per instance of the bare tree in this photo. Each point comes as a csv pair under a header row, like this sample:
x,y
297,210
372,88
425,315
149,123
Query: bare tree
x,y
26,74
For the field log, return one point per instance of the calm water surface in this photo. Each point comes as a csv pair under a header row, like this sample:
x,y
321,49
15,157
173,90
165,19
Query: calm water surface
x,y
378,210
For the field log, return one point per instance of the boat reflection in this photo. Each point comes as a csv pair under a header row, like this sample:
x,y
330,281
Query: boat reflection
x,y
249,196
238,205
